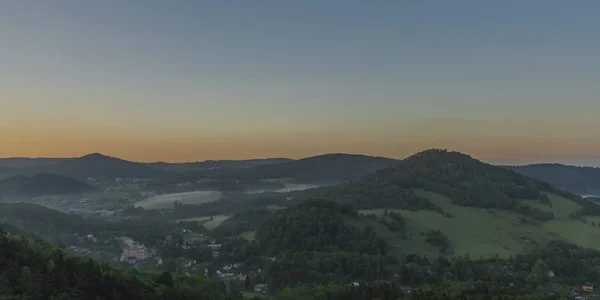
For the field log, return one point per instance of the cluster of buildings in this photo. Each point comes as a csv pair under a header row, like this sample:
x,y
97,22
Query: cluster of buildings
x,y
189,243
215,248
228,272
134,252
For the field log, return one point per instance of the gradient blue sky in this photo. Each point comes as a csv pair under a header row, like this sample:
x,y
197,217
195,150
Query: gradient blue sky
x,y
506,81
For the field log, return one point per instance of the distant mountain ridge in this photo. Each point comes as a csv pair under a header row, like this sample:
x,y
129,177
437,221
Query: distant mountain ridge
x,y
42,184
217,164
100,166
24,162
333,167
580,180
327,167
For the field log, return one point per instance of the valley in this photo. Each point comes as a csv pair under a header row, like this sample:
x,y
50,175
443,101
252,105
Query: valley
x,y
199,220
299,150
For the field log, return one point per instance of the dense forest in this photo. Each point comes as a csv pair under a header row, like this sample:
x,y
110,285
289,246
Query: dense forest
x,y
35,270
369,195
230,203
467,181
386,290
556,271
315,243
316,225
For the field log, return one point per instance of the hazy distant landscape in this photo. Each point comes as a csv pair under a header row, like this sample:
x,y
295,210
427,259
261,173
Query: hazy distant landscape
x,y
434,203
299,150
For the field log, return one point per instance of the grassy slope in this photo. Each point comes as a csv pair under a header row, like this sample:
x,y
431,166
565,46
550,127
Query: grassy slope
x,y
483,232
217,220
249,235
206,222
561,207
574,231
166,201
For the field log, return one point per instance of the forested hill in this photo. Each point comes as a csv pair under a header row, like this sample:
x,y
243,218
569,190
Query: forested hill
x,y
580,180
32,269
328,167
42,184
102,167
316,242
96,166
467,181
18,231
316,225
217,165
42,220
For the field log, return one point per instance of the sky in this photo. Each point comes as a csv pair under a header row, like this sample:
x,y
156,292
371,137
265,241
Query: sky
x,y
505,81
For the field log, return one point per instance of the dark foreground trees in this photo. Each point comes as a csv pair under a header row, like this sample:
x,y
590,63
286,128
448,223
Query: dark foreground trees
x,y
31,269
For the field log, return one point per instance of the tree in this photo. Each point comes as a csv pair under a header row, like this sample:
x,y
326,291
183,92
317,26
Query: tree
x,y
165,279
300,260
286,294
247,283
539,273
28,284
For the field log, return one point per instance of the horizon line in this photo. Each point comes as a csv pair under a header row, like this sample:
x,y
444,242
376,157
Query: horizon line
x,y
551,162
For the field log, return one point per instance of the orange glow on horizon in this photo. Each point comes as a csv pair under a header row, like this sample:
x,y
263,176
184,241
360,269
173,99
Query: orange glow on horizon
x,y
144,149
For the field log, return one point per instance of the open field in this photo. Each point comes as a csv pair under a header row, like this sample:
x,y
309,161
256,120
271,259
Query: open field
x,y
196,219
198,237
166,201
216,221
206,221
561,207
574,231
487,232
250,235
288,187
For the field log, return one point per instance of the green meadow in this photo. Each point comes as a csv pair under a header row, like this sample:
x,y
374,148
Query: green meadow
x,y
166,201
487,232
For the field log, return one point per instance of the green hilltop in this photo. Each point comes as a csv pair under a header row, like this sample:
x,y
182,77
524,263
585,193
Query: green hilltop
x,y
471,206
